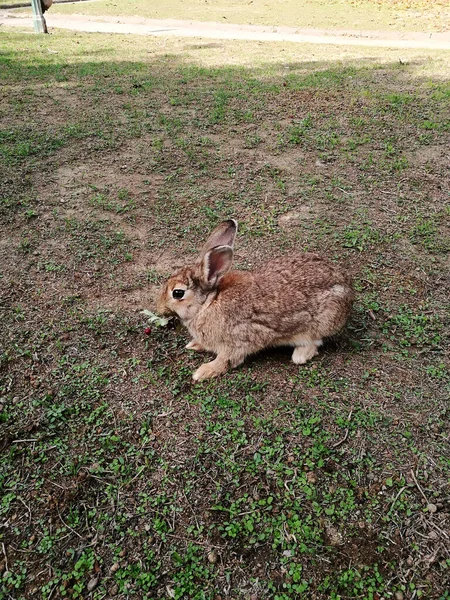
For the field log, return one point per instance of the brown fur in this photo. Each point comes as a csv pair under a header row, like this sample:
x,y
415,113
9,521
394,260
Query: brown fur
x,y
294,300
45,4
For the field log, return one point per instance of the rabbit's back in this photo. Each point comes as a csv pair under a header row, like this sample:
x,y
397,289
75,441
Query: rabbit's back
x,y
286,297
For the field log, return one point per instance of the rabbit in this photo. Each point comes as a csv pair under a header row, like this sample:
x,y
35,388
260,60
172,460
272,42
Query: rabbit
x,y
295,300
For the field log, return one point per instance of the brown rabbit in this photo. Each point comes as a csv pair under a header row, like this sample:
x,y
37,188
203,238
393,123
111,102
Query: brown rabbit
x,y
295,300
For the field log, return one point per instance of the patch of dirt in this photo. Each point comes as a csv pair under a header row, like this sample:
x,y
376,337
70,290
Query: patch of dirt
x,y
289,161
294,217
84,179
432,155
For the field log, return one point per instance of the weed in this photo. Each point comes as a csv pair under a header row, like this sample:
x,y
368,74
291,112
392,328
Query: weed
x,y
105,202
361,237
297,131
19,144
425,233
411,328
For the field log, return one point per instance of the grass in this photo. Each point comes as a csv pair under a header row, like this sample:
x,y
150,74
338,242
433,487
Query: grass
x,y
415,15
119,477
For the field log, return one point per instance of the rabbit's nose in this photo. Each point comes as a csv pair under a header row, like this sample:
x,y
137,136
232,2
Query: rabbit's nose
x,y
161,307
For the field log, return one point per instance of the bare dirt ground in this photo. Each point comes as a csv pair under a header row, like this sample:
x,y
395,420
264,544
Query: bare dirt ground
x,y
222,31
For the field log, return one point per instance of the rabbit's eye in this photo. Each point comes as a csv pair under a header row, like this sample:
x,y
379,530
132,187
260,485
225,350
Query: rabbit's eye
x,y
178,294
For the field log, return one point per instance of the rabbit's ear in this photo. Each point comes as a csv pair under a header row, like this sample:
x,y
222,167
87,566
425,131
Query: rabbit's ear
x,y
215,263
222,235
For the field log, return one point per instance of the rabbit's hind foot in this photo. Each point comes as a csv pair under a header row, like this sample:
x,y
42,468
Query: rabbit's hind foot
x,y
302,354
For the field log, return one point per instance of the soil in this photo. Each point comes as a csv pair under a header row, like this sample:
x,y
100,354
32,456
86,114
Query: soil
x,y
211,30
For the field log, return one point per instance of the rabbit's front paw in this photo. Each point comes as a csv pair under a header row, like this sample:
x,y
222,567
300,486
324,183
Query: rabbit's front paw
x,y
194,345
211,369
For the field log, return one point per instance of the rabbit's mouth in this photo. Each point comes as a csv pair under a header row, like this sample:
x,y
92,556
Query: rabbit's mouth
x,y
163,310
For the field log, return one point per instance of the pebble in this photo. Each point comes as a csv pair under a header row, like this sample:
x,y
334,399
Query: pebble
x,y
114,568
335,537
311,477
431,508
212,556
93,583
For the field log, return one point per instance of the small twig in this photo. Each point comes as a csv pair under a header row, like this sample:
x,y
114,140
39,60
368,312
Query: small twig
x,y
166,414
433,524
346,431
192,510
51,592
337,444
389,539
418,486
68,526
4,554
93,543
368,282
397,496
288,534
246,512
343,191
135,477
57,485
24,441
198,542
27,507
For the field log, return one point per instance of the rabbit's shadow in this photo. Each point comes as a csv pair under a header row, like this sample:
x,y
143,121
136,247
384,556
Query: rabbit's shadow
x,y
357,337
